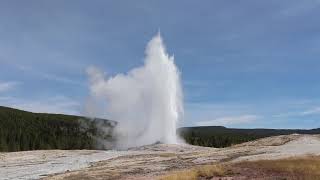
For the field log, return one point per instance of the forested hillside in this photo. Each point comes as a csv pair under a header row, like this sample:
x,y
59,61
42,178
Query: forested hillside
x,y
219,136
21,130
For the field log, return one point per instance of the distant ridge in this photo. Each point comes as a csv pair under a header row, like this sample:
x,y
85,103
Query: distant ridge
x,y
23,130
220,136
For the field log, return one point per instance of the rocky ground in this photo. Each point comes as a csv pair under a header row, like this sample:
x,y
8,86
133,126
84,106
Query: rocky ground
x,y
147,162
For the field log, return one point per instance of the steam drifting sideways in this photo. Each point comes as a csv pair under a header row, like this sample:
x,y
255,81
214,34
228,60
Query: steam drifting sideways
x,y
147,101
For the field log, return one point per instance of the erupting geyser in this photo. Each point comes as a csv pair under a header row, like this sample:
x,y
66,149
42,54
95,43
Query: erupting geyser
x,y
147,102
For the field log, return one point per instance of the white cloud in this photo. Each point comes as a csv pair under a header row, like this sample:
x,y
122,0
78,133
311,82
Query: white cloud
x,y
55,104
229,120
7,86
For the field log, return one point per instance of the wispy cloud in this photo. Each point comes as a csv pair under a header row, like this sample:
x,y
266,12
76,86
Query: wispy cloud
x,y
50,76
7,86
44,75
230,120
55,104
300,7
60,79
307,112
315,110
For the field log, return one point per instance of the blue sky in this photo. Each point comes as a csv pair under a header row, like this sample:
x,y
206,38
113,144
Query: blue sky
x,y
244,63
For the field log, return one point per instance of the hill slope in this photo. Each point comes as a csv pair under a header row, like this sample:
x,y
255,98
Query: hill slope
x,y
219,136
22,130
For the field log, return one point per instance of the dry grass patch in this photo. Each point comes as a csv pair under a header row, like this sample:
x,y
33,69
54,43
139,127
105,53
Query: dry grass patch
x,y
206,171
167,155
300,168
211,170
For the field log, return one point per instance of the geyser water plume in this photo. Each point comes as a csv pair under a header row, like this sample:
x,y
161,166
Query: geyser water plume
x,y
147,102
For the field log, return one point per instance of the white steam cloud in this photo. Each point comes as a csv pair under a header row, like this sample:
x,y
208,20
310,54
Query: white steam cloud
x,y
147,102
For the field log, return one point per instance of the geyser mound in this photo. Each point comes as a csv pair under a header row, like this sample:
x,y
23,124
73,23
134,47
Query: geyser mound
x,y
147,102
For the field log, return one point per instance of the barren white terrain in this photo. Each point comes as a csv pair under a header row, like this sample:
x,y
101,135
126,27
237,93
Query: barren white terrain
x,y
146,162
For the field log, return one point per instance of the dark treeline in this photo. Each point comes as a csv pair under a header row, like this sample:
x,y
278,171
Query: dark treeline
x,y
218,136
21,130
